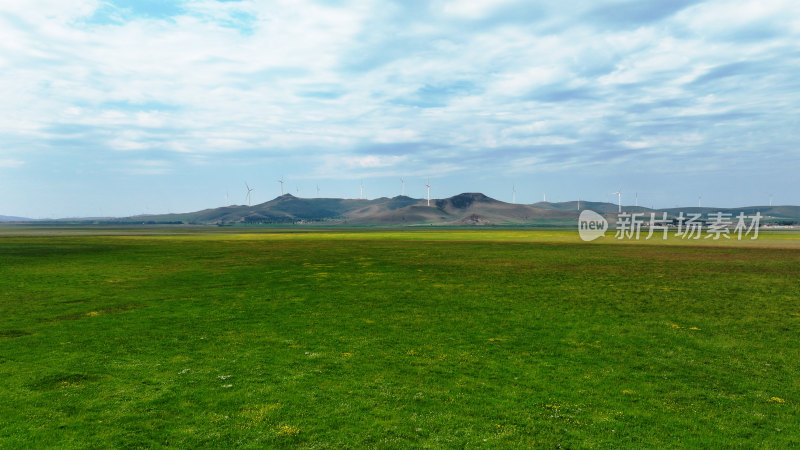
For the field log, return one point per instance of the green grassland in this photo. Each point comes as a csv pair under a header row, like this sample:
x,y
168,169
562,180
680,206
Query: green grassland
x,y
435,338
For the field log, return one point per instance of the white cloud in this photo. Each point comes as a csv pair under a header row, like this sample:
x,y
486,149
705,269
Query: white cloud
x,y
371,161
148,167
10,163
396,135
472,9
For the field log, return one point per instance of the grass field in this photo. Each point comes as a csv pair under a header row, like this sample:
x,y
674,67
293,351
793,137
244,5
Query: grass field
x,y
437,338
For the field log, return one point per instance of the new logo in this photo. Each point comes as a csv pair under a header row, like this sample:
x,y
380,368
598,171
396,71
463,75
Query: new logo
x,y
591,225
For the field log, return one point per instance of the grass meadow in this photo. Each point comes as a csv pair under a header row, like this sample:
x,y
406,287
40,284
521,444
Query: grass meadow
x,y
433,338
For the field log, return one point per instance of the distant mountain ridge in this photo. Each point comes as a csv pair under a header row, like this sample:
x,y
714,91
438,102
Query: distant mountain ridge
x,y
469,208
14,219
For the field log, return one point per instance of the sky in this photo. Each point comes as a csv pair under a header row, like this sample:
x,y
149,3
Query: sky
x,y
124,107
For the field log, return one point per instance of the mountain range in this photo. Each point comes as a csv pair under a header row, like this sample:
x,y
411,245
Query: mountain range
x,y
13,219
462,209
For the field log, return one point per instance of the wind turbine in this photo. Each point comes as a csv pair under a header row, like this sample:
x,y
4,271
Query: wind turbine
x,y
619,199
637,199
317,191
298,190
699,200
281,182
544,197
770,200
227,199
362,191
402,186
428,185
513,193
249,190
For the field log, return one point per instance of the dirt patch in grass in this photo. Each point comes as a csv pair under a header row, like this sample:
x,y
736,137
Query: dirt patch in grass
x,y
60,381
97,312
14,333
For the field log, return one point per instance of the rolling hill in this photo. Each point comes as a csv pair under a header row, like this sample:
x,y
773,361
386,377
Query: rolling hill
x,y
462,209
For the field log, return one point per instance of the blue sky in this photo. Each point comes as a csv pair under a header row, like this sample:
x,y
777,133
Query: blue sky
x,y
122,107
